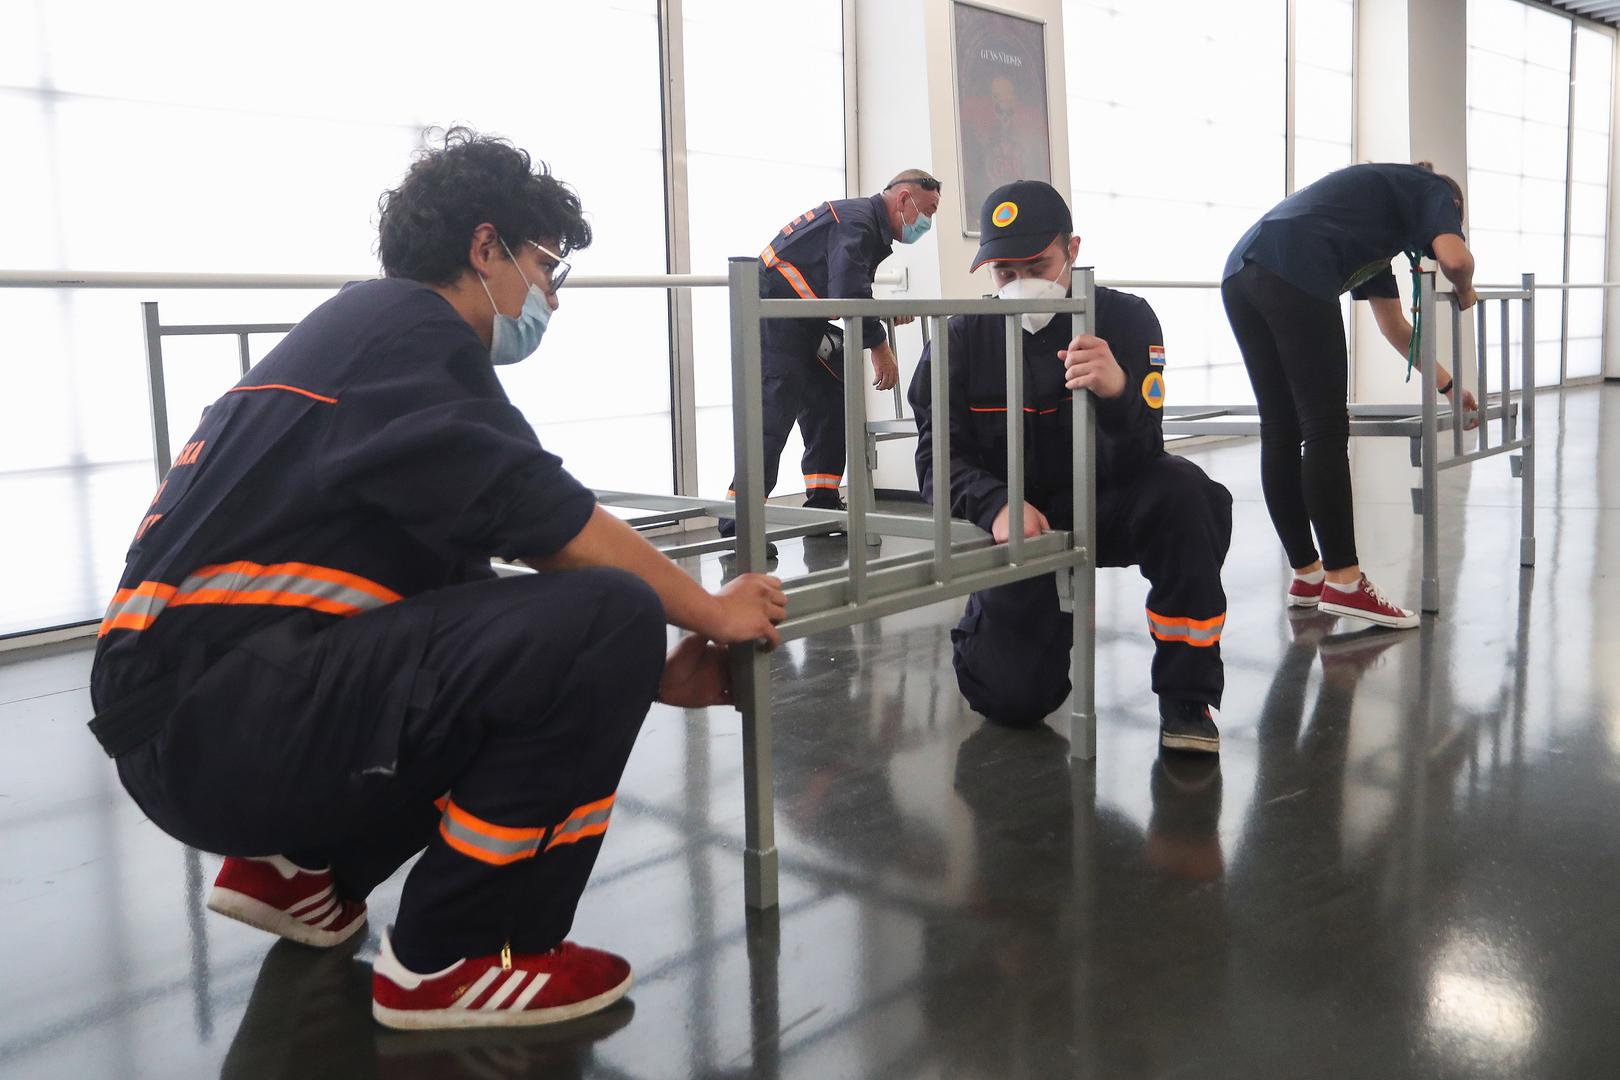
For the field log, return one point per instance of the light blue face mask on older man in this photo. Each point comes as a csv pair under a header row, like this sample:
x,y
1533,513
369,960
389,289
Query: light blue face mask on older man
x,y
513,339
914,230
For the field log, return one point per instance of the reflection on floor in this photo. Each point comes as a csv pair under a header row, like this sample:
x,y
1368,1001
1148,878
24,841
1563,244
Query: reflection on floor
x,y
1404,864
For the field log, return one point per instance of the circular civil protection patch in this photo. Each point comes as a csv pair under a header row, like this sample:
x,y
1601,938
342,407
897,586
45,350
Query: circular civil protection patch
x,y
1153,390
1004,215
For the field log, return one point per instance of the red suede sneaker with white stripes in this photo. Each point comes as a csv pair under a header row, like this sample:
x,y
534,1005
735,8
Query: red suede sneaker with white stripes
x,y
1366,602
1302,593
505,990
274,894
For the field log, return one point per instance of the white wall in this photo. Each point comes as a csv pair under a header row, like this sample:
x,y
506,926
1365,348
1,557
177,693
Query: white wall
x,y
1411,105
1611,320
906,117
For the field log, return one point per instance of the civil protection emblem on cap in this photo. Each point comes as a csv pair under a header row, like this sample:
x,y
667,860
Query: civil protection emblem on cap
x,y
1153,390
1004,215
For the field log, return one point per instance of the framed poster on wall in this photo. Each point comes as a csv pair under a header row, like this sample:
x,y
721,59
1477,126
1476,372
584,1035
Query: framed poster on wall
x,y
1003,131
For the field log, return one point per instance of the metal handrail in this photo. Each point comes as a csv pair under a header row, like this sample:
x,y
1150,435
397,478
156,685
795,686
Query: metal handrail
x,y
126,279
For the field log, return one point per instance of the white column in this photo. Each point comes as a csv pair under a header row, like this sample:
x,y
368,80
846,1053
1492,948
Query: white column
x,y
1411,105
906,118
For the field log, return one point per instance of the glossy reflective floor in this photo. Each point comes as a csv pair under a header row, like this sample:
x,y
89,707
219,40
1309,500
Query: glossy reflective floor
x,y
1406,864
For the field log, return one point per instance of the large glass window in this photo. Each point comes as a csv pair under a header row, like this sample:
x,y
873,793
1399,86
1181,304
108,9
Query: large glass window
x,y
1324,105
752,168
1165,182
218,140
1589,196
1518,142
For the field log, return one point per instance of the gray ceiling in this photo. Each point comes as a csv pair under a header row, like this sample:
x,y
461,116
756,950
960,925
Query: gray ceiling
x,y
1603,10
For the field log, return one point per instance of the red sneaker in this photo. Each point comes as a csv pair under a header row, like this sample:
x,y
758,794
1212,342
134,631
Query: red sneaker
x,y
1302,593
506,990
275,895
1367,603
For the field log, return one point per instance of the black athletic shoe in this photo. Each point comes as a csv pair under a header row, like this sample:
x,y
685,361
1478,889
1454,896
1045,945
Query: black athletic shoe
x,y
1187,725
731,556
727,527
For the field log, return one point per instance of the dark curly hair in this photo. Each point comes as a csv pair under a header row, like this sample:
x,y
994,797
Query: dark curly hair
x,y
426,224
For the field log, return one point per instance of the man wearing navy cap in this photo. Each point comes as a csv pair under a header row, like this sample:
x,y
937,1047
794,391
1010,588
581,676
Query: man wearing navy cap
x,y
1154,510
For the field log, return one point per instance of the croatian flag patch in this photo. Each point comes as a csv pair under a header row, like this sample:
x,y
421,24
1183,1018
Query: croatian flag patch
x,y
1156,355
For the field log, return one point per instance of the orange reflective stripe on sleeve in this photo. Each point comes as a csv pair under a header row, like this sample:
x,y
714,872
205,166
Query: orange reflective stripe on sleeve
x,y
1199,633
586,821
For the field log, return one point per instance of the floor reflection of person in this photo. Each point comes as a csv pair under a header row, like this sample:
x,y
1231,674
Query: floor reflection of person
x,y
1104,946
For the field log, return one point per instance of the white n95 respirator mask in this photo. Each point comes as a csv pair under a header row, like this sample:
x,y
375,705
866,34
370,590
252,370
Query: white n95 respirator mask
x,y
1033,289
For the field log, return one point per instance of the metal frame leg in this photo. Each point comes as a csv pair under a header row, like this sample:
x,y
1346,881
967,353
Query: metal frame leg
x,y
1083,578
751,683
1431,448
1527,491
750,667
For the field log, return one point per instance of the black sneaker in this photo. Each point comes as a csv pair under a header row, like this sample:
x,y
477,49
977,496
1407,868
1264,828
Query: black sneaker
x,y
1187,725
731,556
727,528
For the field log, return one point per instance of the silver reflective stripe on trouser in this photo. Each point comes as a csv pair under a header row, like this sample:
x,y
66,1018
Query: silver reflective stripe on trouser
x,y
485,841
588,820
1196,632
579,825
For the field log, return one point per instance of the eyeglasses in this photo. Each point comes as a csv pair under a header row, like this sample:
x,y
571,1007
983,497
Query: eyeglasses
x,y
559,272
927,183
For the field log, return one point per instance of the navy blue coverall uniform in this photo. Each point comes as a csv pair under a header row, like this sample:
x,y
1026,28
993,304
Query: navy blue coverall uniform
x,y
830,251
1154,510
310,655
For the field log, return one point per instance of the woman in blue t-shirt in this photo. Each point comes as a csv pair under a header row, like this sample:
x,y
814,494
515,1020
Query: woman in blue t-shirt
x,y
1281,288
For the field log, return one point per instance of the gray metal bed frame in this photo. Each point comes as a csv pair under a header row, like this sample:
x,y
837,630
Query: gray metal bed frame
x,y
1421,424
963,558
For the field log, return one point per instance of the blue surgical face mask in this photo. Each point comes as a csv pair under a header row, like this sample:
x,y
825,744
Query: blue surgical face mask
x,y
510,339
913,231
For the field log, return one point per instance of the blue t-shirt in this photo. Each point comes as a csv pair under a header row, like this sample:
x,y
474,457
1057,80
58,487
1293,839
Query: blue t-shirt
x,y
1340,233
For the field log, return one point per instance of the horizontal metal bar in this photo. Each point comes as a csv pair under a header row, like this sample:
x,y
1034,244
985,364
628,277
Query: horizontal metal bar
x,y
906,587
729,543
1481,455
681,281
224,329
126,279
901,426
1556,286
906,525
660,517
879,309
135,279
906,558
1148,283
1490,294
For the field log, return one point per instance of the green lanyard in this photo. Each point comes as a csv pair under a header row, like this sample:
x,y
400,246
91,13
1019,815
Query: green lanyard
x,y
1417,312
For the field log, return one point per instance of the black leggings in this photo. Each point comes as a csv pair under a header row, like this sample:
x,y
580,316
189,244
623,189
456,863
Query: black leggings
x,y
1293,347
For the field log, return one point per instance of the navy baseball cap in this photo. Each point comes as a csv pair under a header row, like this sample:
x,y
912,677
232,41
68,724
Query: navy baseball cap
x,y
1019,221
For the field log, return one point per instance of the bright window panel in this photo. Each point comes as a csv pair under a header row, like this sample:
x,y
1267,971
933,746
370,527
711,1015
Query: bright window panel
x,y
750,171
1146,203
224,163
1518,139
